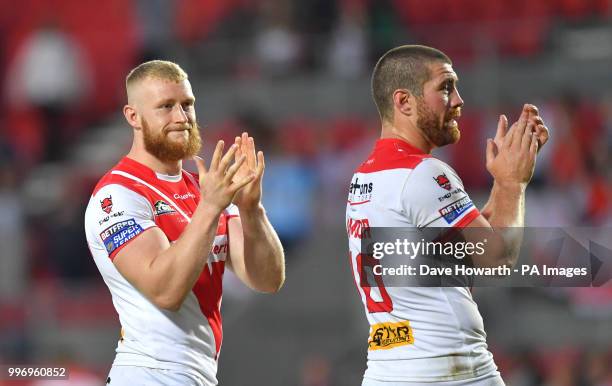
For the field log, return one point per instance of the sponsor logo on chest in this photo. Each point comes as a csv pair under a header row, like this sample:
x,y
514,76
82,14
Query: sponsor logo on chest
x,y
183,196
161,208
360,192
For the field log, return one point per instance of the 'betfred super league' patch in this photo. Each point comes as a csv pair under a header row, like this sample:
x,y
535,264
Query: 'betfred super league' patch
x,y
119,233
452,211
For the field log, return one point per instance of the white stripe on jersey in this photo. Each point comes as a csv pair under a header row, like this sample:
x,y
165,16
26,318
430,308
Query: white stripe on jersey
x,y
153,188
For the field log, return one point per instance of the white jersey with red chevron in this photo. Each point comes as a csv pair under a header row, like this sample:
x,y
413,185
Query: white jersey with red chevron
x,y
127,201
417,334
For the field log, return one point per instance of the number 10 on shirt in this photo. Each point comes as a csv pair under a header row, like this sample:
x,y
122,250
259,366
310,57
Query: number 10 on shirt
x,y
364,263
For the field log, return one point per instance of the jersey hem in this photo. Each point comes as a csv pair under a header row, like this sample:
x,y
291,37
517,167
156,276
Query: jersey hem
x,y
120,360
431,365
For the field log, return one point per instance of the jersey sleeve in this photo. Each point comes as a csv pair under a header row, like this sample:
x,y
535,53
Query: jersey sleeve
x,y
115,216
433,196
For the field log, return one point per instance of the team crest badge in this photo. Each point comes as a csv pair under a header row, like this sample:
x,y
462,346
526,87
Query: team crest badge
x,y
443,181
107,204
162,207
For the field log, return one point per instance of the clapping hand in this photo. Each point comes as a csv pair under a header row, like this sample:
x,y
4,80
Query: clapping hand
x,y
220,182
511,154
540,129
249,197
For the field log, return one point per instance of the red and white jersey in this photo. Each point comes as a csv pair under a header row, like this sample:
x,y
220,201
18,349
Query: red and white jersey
x,y
417,334
127,201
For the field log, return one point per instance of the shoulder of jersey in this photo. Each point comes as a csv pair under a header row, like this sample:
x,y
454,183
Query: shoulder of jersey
x,y
106,179
391,156
124,165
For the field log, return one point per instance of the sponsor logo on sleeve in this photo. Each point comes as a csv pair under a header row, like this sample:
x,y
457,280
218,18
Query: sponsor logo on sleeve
x,y
112,215
452,211
107,204
384,336
443,181
450,194
120,233
162,207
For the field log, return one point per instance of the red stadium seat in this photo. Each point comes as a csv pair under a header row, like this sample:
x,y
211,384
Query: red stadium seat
x,y
526,37
415,12
460,11
487,10
575,9
195,19
603,8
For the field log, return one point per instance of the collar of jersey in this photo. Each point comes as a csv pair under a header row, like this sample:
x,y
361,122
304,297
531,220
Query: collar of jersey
x,y
396,143
142,170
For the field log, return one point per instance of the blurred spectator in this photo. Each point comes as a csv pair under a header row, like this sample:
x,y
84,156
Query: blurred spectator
x,y
277,47
345,139
290,181
68,255
13,260
291,188
49,74
315,20
348,47
156,24
385,28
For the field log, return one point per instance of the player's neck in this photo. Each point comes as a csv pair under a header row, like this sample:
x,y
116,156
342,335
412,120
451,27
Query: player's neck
x,y
408,134
158,166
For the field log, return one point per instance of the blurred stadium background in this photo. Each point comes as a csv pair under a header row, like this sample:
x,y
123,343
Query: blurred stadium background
x,y
295,74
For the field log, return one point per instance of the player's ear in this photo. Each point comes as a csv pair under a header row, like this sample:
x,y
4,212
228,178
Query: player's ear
x,y
404,101
131,116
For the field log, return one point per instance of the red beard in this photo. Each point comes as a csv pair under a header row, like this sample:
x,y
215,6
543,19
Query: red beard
x,y
167,150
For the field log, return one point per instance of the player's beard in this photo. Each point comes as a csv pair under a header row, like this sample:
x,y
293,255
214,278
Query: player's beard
x,y
437,133
167,150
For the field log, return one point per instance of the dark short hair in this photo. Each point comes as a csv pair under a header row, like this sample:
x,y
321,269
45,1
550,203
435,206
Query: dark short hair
x,y
402,67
